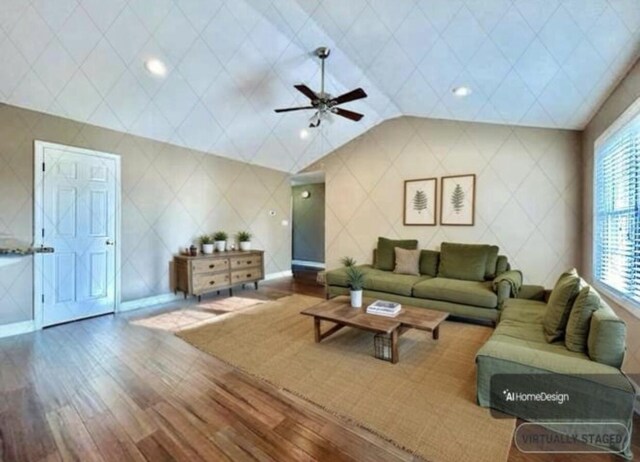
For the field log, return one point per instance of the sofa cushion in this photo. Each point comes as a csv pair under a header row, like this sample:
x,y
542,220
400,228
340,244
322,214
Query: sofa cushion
x,y
528,331
385,281
490,271
429,260
338,277
559,305
463,261
385,253
607,337
407,261
530,351
457,291
577,331
523,311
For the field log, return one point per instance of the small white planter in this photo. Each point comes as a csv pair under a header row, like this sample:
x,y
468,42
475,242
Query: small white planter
x,y
207,249
221,246
246,245
356,298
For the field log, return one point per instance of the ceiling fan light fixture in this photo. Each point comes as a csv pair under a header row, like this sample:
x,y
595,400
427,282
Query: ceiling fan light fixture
x,y
461,91
304,134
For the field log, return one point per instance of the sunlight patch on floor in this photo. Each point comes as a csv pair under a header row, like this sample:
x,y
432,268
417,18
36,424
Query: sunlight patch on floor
x,y
197,315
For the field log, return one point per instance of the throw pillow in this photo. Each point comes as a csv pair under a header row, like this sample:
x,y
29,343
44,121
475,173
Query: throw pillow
x,y
463,261
385,254
502,265
429,260
407,261
577,332
559,305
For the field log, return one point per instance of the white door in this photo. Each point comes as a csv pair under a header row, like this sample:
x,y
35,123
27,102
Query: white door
x,y
79,222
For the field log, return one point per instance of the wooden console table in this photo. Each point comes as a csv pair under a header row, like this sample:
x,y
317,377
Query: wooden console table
x,y
221,270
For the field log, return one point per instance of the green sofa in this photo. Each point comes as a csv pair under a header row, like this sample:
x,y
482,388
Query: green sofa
x,y
476,299
518,348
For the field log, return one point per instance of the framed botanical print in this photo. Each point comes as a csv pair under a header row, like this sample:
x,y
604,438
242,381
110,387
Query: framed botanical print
x,y
420,199
458,200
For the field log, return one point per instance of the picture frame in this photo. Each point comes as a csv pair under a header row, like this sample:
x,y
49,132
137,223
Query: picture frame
x,y
458,200
420,202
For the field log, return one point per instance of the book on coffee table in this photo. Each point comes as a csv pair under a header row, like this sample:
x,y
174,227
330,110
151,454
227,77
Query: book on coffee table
x,y
384,308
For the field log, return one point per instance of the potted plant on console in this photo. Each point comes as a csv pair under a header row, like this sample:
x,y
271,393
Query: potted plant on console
x,y
220,240
355,280
244,240
206,242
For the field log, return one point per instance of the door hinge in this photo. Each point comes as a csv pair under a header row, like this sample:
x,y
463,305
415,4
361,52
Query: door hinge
x,y
43,167
42,232
42,298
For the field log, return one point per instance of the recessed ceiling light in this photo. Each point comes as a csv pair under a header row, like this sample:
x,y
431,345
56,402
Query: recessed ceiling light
x,y
461,91
156,67
304,134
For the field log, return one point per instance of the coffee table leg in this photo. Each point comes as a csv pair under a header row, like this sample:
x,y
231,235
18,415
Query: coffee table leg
x,y
394,346
316,330
436,333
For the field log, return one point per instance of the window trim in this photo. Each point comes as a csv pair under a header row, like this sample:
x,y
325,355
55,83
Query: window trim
x,y
618,297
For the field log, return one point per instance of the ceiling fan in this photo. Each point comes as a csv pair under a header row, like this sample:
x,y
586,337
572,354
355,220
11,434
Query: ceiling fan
x,y
323,103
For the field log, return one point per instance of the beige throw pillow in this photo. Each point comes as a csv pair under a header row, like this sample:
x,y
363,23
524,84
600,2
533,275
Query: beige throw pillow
x,y
407,261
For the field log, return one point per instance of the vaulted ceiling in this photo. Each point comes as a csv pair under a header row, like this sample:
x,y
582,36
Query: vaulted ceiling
x,y
546,63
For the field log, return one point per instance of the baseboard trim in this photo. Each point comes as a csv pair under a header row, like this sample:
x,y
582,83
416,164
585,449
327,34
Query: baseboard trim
x,y
310,264
281,274
17,328
146,302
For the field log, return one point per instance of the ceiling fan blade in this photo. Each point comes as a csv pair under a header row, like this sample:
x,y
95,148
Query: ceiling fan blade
x,y
348,114
289,109
306,91
353,95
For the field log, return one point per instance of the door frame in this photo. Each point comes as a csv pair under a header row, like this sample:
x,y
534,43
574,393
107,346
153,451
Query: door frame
x,y
38,203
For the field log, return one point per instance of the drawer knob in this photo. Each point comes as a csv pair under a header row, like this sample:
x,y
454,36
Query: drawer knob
x,y
212,283
249,275
248,262
212,266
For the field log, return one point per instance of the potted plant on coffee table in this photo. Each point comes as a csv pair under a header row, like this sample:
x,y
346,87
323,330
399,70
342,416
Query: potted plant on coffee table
x,y
244,240
355,280
206,242
220,240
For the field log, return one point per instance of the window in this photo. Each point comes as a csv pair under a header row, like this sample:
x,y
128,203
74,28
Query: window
x,y
617,210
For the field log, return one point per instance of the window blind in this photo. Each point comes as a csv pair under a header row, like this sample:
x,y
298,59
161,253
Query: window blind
x,y
617,212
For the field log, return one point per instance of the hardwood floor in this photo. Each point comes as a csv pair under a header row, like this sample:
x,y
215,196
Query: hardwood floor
x,y
107,389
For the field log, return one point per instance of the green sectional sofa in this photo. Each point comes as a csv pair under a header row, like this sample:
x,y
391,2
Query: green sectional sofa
x,y
519,354
478,299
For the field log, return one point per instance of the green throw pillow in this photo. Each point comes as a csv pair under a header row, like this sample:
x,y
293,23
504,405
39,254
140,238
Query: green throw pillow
x,y
559,305
502,265
385,254
577,332
429,260
463,261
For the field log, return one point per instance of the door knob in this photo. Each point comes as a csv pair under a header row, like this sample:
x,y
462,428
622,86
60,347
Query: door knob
x,y
110,242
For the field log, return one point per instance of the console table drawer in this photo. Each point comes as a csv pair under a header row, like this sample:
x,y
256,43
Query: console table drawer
x,y
206,282
209,265
246,262
246,275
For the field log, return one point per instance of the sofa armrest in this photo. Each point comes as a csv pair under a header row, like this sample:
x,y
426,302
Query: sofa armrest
x,y
507,285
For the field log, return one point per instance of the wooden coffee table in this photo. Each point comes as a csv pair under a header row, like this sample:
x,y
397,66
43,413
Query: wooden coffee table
x,y
338,311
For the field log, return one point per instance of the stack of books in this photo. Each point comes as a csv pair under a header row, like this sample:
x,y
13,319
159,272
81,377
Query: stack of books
x,y
382,308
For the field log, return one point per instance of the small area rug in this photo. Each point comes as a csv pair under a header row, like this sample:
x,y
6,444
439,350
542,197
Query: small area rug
x,y
424,404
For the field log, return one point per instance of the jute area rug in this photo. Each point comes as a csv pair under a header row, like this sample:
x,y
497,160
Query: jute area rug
x,y
424,404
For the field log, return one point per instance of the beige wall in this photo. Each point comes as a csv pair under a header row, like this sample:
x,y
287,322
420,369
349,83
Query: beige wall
x,y
528,190
622,97
170,195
